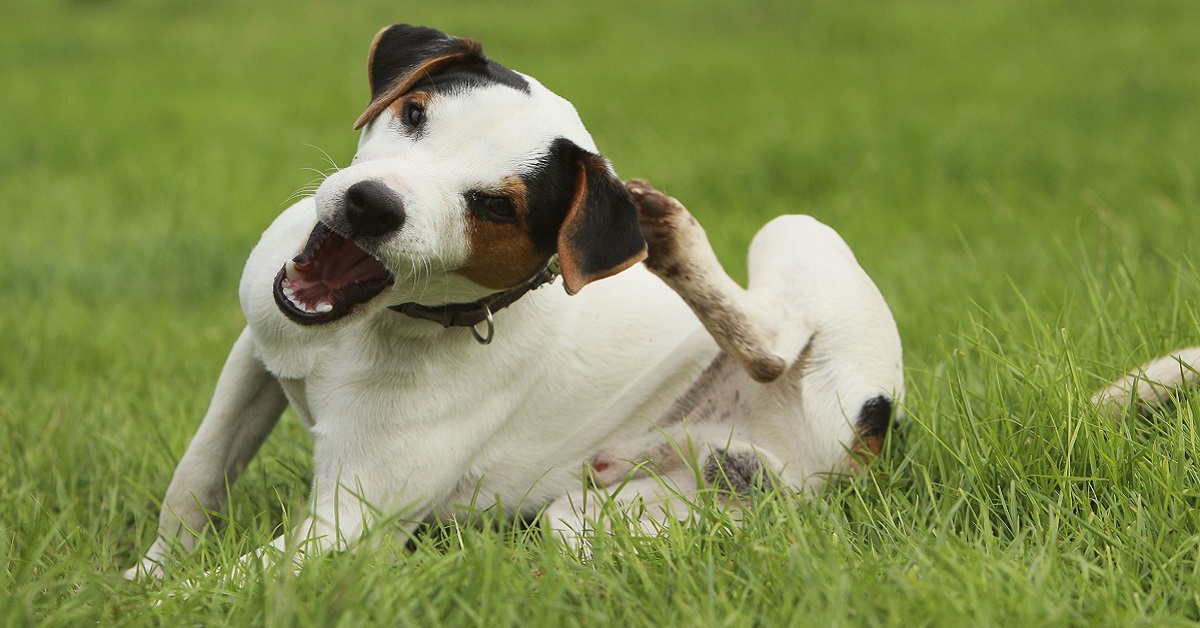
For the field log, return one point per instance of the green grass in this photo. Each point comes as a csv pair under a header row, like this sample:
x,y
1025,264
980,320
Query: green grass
x,y
1020,178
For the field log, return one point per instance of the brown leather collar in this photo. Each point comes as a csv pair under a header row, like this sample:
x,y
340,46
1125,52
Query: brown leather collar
x,y
475,312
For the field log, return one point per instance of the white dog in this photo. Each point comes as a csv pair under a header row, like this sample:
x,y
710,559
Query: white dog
x,y
370,304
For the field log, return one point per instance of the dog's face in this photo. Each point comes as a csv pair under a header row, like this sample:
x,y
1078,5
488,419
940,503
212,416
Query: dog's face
x,y
468,178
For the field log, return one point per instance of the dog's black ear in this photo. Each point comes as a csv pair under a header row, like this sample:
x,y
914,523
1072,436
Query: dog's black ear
x,y
600,235
401,55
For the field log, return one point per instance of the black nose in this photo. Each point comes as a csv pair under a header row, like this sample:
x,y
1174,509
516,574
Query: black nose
x,y
373,209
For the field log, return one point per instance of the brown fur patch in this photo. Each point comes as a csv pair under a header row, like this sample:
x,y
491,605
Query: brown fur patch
x,y
865,445
874,422
502,254
471,50
864,449
371,57
572,279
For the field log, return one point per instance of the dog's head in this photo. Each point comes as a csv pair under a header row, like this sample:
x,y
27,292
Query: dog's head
x,y
468,178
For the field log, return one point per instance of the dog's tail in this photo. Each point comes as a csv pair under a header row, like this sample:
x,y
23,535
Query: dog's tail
x,y
1151,384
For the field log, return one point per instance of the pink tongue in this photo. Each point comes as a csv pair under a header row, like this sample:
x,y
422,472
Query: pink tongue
x,y
336,264
310,291
341,263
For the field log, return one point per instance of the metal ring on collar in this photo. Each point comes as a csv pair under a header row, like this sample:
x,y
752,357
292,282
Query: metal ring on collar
x,y
491,328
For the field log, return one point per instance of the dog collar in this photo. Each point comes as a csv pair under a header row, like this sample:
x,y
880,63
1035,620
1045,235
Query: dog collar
x,y
476,312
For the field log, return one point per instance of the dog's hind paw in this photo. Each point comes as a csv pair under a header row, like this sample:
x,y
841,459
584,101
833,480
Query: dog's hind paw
x,y
666,224
738,470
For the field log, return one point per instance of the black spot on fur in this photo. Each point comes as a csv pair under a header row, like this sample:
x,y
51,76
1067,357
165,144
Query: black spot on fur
x,y
464,76
551,188
610,233
402,48
738,473
875,418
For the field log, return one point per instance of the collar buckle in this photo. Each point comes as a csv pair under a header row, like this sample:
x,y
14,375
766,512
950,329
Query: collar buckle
x,y
491,328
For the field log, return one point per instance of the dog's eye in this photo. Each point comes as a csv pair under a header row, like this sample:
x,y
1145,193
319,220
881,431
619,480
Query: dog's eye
x,y
492,207
414,114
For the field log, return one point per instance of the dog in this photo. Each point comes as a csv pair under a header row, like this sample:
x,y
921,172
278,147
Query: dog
x,y
403,312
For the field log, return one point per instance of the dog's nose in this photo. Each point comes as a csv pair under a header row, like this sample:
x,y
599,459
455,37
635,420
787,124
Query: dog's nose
x,y
373,209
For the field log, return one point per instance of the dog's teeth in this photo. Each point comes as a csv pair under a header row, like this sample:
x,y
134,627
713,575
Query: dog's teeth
x,y
290,271
324,308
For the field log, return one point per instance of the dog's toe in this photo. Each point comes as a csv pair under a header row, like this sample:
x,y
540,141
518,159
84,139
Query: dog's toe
x,y
145,570
666,225
651,203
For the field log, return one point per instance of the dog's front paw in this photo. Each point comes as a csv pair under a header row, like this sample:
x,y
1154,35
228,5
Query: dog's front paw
x,y
147,569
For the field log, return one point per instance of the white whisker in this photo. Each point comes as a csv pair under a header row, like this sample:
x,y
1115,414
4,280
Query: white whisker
x,y
310,188
333,167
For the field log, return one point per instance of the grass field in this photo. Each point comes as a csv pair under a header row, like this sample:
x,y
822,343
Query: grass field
x,y
1020,178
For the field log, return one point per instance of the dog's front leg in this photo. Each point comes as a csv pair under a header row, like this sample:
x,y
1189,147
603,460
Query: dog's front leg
x,y
363,478
329,529
680,254
318,534
246,405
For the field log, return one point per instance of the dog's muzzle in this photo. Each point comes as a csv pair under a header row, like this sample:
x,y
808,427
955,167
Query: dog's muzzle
x,y
328,279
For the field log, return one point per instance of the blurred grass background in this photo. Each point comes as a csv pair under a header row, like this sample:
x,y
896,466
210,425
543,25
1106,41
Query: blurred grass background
x,y
1019,177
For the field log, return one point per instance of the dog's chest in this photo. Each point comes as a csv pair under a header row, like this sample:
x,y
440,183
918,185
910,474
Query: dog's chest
x,y
364,384
514,419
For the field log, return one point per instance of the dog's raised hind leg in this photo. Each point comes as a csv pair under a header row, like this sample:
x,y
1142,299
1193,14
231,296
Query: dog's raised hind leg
x,y
680,254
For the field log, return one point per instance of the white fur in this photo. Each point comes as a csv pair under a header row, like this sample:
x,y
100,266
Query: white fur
x,y
408,417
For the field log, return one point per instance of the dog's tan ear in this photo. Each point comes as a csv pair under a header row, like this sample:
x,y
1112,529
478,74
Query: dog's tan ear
x,y
401,55
600,235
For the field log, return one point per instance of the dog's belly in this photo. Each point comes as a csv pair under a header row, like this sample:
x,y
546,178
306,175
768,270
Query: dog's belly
x,y
541,453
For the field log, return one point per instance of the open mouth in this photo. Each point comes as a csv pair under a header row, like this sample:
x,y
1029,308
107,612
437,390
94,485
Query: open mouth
x,y
328,279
